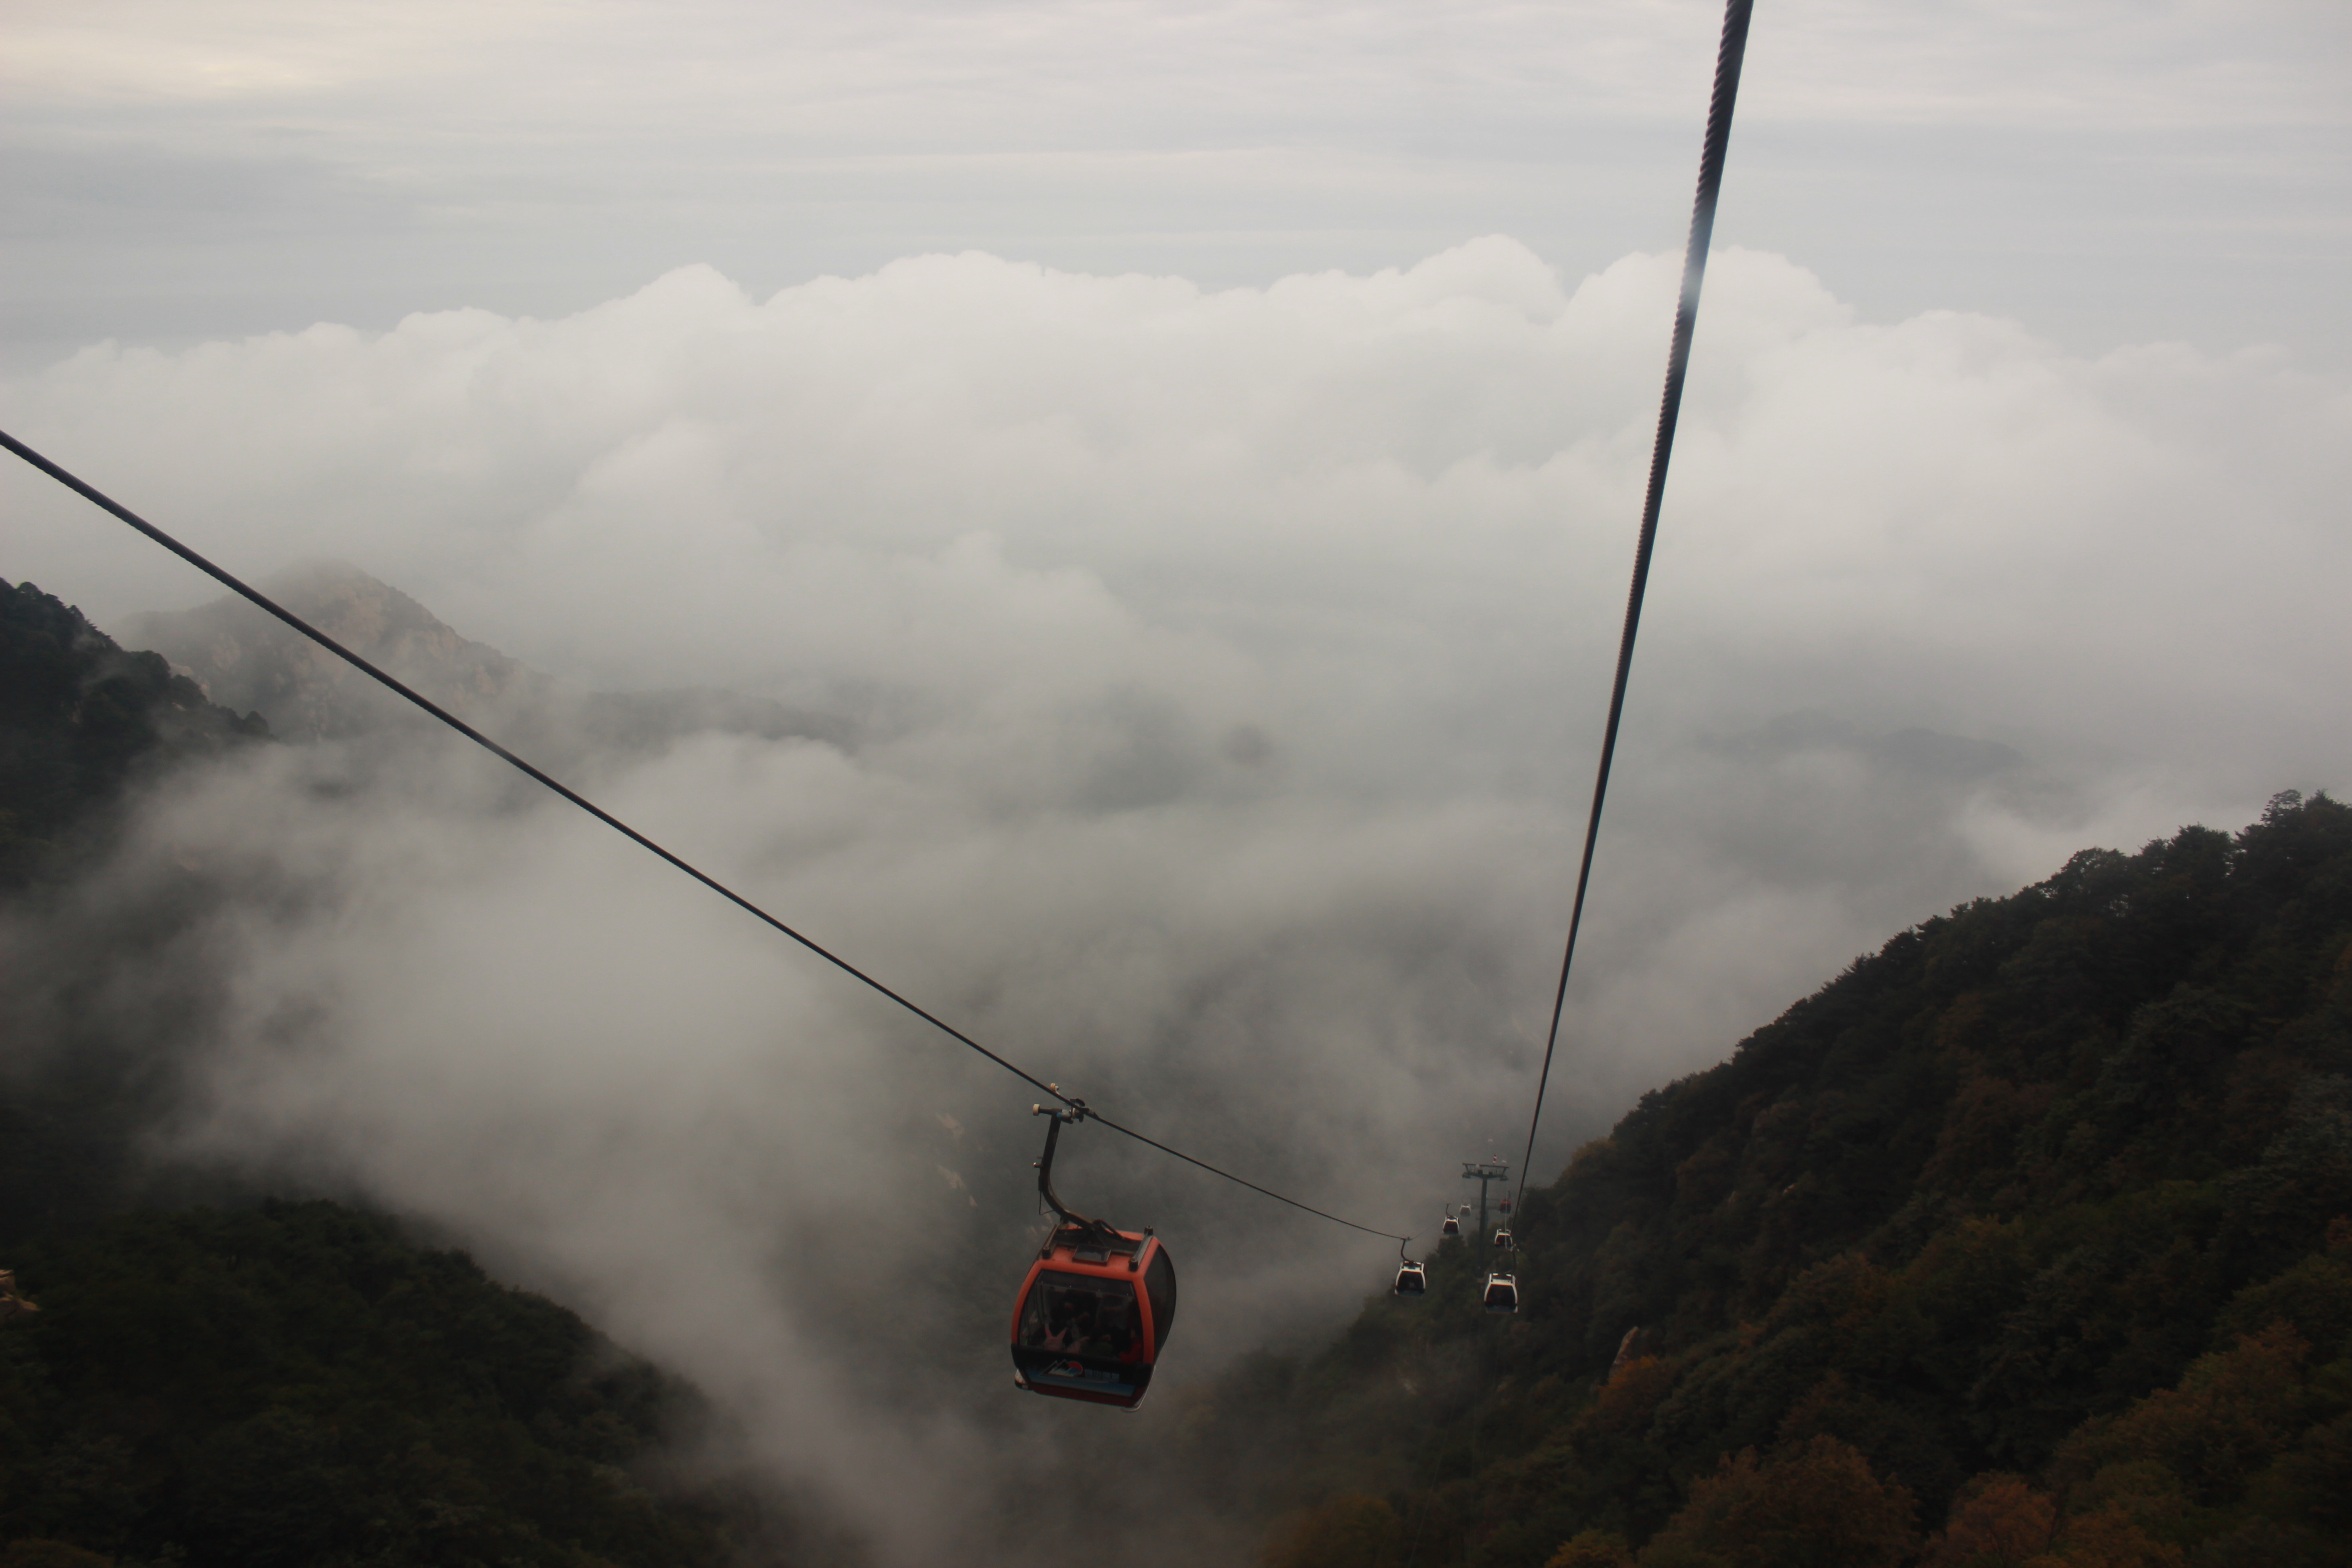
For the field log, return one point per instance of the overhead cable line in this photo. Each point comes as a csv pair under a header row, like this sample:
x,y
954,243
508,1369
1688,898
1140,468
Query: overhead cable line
x,y
1294,1202
1702,230
255,595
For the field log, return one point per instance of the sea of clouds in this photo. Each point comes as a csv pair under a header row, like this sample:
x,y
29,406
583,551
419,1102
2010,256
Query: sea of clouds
x,y
1228,670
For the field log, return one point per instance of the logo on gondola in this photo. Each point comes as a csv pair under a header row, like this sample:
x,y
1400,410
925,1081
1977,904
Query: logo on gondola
x,y
1079,1371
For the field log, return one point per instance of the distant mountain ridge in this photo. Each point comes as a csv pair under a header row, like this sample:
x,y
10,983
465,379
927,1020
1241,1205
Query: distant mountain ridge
x,y
244,659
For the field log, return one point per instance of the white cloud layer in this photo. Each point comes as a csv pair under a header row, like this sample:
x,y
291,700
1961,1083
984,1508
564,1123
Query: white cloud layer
x,y
1229,665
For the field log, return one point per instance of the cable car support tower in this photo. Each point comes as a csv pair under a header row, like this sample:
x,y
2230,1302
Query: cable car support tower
x,y
1485,1172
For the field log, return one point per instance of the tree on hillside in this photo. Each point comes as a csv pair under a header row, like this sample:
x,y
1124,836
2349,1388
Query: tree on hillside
x,y
1351,1531
1816,1507
1998,1521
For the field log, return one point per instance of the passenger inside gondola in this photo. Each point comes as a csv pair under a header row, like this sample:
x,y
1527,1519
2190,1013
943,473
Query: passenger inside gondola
x,y
1083,1316
1113,1337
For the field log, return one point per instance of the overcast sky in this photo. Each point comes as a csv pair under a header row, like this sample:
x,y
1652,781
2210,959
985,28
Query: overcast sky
x,y
1201,447
2106,171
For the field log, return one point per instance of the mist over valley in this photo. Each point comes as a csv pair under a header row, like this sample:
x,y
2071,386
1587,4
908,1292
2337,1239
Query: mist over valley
x,y
1240,803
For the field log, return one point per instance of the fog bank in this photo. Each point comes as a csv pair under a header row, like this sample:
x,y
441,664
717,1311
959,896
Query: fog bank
x,y
1227,669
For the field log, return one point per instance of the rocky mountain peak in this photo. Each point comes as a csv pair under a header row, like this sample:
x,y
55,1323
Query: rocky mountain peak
x,y
245,659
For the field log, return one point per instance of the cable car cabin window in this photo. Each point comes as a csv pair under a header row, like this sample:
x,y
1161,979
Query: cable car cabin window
x,y
1078,1314
1160,1285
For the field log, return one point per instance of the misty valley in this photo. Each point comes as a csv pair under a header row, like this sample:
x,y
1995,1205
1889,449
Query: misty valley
x,y
2027,1239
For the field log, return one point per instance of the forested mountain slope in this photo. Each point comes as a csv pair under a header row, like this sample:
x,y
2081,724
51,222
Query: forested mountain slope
x,y
2028,1238
246,659
78,717
297,1385
254,1382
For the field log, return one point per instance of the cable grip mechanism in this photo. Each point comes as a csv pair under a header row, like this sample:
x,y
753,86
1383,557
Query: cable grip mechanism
x,y
1073,1110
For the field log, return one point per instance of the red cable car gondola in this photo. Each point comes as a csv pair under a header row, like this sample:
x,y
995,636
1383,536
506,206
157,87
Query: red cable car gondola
x,y
1096,1310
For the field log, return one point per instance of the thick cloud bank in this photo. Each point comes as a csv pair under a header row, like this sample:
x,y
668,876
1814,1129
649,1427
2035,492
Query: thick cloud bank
x,y
1227,670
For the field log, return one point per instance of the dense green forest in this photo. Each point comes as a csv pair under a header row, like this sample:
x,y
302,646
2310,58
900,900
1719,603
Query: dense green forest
x,y
296,1384
2026,1240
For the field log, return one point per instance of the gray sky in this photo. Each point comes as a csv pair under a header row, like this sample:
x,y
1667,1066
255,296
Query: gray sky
x,y
2106,171
1208,477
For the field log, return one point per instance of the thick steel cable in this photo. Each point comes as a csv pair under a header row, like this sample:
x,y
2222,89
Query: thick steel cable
x,y
1701,231
236,585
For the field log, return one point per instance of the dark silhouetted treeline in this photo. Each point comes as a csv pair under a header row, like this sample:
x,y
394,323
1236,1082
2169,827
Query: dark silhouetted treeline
x,y
103,998
2026,1240
295,1385
80,720
99,999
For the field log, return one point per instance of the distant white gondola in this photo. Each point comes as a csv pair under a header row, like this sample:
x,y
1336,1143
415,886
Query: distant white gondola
x,y
1451,1227
1503,1242
1412,1279
1502,1292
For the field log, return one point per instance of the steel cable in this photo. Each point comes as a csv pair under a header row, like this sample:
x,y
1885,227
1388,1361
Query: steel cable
x,y
236,585
1719,130
1728,58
